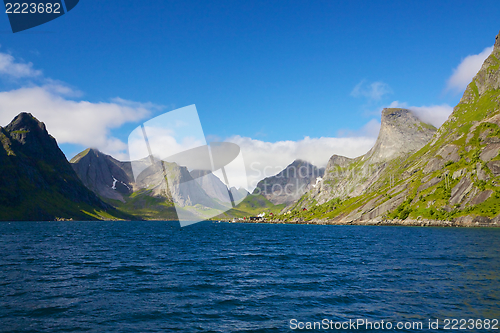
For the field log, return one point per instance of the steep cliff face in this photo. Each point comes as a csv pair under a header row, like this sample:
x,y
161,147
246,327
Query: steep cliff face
x,y
401,133
291,183
103,174
37,182
455,176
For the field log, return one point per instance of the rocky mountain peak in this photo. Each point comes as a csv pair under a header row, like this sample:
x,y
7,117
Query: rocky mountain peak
x,y
25,121
33,138
497,40
25,127
103,174
401,132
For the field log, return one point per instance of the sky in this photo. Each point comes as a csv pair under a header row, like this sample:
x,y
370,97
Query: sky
x,y
282,79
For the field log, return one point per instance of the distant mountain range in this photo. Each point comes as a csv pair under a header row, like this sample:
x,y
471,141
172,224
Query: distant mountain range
x,y
414,172
147,195
38,183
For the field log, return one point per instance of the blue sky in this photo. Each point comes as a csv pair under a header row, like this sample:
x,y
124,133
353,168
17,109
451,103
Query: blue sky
x,y
265,71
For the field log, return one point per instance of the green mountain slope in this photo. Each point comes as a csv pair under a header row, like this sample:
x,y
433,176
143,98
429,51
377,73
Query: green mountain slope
x,y
456,176
252,205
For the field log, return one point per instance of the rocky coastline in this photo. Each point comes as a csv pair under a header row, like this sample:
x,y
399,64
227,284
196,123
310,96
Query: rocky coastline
x,y
464,221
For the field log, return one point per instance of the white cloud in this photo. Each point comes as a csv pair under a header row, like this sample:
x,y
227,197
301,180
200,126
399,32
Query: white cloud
x,y
10,67
466,70
164,142
264,159
433,114
69,121
374,91
76,122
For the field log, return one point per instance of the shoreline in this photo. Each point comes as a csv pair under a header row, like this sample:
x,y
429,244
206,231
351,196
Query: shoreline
x,y
462,222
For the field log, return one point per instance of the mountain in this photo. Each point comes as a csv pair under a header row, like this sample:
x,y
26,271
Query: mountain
x,y
211,184
454,177
215,188
147,194
103,174
291,183
37,182
401,133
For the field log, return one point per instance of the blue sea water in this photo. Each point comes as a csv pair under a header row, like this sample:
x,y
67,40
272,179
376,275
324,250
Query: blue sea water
x,y
221,277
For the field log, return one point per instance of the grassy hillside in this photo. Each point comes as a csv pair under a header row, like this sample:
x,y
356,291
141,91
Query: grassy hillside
x,y
252,205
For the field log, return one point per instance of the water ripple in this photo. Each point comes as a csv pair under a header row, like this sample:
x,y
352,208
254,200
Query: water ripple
x,y
151,277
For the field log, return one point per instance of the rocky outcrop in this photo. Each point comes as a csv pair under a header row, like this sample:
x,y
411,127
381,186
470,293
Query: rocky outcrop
x,y
401,132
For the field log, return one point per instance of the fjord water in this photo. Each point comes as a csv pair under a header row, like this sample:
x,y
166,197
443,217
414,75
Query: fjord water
x,y
221,277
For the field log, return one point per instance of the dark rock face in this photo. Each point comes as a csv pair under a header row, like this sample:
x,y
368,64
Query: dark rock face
x,y
37,182
291,183
103,174
494,166
481,197
459,191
